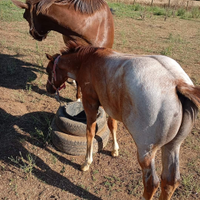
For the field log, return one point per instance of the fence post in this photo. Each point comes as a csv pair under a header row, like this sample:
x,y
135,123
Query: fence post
x,y
169,3
187,5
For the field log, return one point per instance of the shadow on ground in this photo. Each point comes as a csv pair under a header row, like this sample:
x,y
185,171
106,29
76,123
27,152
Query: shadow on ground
x,y
11,143
17,74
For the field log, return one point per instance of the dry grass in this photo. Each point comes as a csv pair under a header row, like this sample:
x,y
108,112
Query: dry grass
x,y
30,167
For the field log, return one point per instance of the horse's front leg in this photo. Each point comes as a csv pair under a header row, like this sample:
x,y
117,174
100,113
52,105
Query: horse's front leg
x,y
78,92
112,124
90,133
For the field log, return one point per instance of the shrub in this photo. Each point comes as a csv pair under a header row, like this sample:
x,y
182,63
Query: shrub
x,y
181,12
159,11
137,7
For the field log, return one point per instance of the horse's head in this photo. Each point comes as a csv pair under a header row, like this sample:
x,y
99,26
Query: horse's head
x,y
36,21
56,75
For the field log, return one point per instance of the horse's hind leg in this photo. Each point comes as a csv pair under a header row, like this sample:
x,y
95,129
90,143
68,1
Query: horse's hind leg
x,y
150,178
170,152
170,173
112,124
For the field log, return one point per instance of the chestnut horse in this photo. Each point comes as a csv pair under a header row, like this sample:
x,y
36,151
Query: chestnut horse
x,y
83,21
152,95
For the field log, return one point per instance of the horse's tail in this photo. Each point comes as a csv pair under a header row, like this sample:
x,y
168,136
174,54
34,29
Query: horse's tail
x,y
189,91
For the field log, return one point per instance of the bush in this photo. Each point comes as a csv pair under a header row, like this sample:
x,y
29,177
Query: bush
x,y
137,7
181,12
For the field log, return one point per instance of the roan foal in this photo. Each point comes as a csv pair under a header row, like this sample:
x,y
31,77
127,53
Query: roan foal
x,y
151,95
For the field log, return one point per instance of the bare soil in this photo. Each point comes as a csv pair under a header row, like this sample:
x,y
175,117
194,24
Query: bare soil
x,y
32,168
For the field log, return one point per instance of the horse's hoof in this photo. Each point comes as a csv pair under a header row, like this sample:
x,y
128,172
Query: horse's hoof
x,y
115,153
85,167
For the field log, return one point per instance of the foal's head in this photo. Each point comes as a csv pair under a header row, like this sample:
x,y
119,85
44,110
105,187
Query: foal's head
x,y
56,74
67,65
58,68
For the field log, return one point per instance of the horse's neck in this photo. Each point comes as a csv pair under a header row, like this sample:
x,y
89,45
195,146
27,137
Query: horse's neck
x,y
67,22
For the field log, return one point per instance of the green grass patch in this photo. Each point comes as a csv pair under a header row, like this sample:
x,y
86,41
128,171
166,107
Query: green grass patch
x,y
126,10
9,12
138,10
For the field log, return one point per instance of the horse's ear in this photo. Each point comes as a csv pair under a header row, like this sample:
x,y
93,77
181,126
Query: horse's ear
x,y
49,57
20,4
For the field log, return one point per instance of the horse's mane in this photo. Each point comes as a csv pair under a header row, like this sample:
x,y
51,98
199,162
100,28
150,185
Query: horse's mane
x,y
84,6
83,51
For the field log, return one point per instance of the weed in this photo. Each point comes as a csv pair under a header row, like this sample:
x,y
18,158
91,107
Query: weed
x,y
38,134
94,178
167,51
13,186
82,186
29,88
27,165
95,172
53,159
5,198
62,171
22,140
20,96
112,182
2,168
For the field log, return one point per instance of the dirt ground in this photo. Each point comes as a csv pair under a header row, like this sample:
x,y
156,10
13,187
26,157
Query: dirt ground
x,y
32,168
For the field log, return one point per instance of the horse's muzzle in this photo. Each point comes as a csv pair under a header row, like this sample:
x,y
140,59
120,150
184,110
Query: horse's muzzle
x,y
50,89
36,36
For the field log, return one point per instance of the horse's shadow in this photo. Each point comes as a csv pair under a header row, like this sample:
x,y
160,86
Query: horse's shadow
x,y
14,74
11,144
17,74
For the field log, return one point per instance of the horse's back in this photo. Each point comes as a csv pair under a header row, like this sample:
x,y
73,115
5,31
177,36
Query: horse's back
x,y
173,67
141,92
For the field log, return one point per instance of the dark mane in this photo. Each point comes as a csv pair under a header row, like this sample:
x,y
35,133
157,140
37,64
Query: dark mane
x,y
72,47
84,6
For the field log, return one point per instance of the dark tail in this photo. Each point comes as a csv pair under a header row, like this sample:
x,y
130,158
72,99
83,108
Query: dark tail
x,y
189,91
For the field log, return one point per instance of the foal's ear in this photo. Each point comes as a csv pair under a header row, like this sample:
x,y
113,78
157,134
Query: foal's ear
x,y
20,4
49,57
